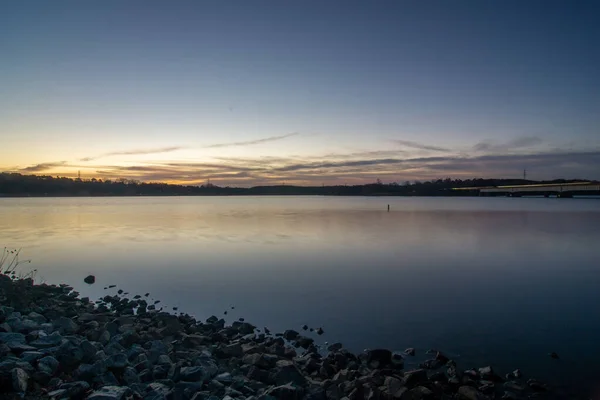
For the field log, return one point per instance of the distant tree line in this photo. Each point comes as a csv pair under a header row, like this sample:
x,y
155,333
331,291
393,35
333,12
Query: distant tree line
x,y
18,185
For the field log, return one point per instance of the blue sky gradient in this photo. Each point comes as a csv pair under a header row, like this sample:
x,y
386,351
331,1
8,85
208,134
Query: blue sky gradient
x,y
105,86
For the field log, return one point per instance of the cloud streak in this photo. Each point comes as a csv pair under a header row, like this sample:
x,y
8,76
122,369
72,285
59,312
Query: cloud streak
x,y
43,166
135,152
248,172
514,144
250,142
420,146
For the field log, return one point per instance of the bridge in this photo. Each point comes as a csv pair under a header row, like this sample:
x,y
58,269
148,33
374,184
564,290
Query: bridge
x,y
563,190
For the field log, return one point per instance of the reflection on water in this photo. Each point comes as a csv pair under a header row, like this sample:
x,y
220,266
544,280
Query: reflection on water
x,y
486,279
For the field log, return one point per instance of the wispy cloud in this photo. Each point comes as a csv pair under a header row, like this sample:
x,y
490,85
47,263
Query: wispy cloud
x,y
514,144
251,142
43,166
420,146
134,152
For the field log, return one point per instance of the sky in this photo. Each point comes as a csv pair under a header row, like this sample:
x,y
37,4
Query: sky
x,y
255,92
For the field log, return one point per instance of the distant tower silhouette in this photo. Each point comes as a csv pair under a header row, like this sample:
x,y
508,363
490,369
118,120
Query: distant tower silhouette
x,y
524,174
79,174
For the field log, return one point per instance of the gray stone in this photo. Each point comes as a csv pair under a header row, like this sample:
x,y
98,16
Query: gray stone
x,y
394,387
30,356
58,394
290,334
233,350
157,391
470,393
225,377
130,376
90,279
24,325
414,377
75,389
192,374
9,337
117,361
110,393
89,351
418,393
164,359
258,360
65,325
514,386
44,342
379,357
48,364
20,380
410,351
287,372
285,392
486,371
39,318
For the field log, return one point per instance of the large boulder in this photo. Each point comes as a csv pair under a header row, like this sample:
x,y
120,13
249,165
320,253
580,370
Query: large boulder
x,y
65,325
285,392
20,380
110,393
379,357
470,393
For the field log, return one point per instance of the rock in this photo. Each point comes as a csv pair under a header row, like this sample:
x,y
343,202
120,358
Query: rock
x,y
65,325
8,338
233,350
320,331
418,393
304,341
192,374
305,327
30,356
225,377
486,387
110,393
258,360
513,386
39,318
20,380
75,389
90,279
164,359
287,372
58,394
394,387
410,351
89,351
285,392
486,371
130,376
431,364
414,377
157,391
290,334
553,355
48,364
470,393
379,357
510,396
536,385
335,347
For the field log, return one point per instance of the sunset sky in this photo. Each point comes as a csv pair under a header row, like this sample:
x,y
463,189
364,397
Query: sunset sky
x,y
308,92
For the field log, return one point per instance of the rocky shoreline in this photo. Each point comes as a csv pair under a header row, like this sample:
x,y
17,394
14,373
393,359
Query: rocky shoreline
x,y
55,344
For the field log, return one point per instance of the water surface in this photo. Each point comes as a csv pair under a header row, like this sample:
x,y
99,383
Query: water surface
x,y
488,280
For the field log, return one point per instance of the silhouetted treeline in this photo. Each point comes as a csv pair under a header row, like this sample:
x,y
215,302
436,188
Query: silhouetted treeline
x,y
17,185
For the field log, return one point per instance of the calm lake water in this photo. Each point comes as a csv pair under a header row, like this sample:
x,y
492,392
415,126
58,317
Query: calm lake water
x,y
500,281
